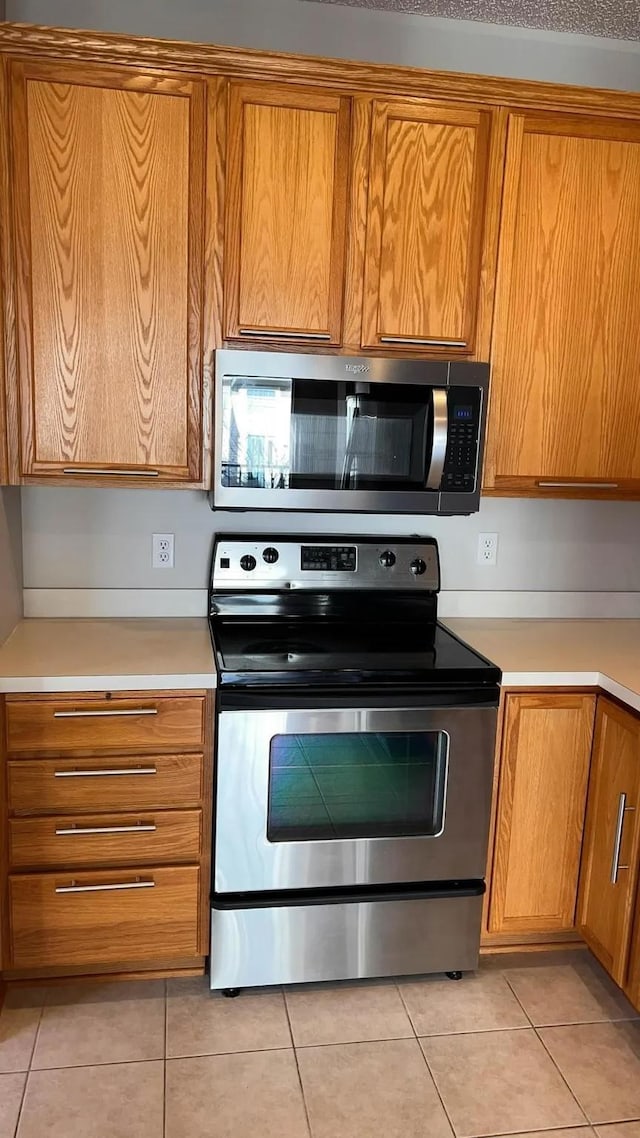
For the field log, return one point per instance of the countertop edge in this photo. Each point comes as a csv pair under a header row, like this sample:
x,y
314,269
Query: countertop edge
x,y
12,685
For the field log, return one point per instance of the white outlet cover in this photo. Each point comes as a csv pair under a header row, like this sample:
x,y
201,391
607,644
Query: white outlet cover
x,y
487,549
162,551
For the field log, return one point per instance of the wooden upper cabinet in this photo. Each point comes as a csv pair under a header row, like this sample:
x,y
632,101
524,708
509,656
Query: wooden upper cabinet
x,y
611,856
546,749
425,224
565,378
287,182
109,226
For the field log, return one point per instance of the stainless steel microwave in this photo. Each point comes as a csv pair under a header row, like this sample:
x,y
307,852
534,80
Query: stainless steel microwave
x,y
343,433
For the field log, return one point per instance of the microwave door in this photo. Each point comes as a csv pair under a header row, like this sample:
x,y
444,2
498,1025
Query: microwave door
x,y
349,476
435,454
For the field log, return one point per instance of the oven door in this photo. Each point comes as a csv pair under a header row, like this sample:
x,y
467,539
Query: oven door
x,y
325,798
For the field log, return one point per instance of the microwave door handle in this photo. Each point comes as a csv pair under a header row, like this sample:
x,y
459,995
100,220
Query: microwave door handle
x,y
353,408
440,437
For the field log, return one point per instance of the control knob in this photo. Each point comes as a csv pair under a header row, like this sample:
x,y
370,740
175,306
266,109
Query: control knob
x,y
247,562
387,558
418,567
270,555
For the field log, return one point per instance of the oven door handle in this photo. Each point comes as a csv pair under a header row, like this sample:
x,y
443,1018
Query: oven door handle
x,y
440,438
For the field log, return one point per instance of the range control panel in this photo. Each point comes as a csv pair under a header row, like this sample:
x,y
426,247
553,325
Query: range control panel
x,y
279,563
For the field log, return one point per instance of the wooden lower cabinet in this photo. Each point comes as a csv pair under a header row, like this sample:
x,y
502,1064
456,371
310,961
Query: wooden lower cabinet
x,y
542,788
610,865
102,918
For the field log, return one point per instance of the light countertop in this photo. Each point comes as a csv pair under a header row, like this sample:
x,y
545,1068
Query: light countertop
x,y
107,655
560,653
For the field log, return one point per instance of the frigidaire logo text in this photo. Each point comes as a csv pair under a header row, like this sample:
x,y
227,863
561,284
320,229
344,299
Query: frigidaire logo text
x,y
357,369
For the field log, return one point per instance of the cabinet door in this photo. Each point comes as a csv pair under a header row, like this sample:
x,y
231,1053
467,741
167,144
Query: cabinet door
x,y
609,874
542,791
287,178
564,404
427,201
110,168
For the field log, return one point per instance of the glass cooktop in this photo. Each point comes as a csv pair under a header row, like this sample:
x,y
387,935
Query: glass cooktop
x,y
249,652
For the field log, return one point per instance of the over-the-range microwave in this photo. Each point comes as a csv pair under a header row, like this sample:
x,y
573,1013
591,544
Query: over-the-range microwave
x,y
343,433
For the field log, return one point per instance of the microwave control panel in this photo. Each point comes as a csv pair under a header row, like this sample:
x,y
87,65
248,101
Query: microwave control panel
x,y
461,459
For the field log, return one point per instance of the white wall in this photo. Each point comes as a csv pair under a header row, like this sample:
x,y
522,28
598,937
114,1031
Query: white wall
x,y
10,561
101,539
355,33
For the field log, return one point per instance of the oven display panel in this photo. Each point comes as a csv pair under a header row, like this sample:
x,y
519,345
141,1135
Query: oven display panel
x,y
329,558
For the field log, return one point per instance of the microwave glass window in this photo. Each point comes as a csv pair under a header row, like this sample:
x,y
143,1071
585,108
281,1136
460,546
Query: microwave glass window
x,y
280,434
356,785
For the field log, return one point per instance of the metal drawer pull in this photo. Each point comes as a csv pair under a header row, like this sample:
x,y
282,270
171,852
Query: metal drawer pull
x,y
273,333
423,340
617,841
141,829
92,471
104,714
577,485
105,773
104,888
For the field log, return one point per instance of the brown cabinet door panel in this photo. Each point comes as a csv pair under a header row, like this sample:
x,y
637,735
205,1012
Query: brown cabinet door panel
x,y
287,180
103,917
52,786
427,201
610,862
566,341
105,839
541,801
109,224
123,723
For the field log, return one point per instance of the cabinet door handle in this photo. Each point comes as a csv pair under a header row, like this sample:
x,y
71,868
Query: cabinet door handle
x,y
141,829
547,485
107,773
426,340
73,888
617,841
105,714
93,471
282,334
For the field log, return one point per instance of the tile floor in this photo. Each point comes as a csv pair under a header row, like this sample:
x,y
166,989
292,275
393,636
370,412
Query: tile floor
x,y
526,1045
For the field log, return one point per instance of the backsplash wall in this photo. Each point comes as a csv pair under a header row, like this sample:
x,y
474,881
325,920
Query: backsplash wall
x,y
10,561
92,539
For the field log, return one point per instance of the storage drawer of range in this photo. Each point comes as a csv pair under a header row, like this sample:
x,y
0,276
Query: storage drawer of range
x,y
125,724
86,840
103,917
128,782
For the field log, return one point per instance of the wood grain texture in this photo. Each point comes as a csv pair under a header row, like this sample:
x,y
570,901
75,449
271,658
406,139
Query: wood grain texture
x,y
76,929
213,333
540,814
427,189
9,417
567,323
287,170
357,223
176,723
37,843
110,233
606,911
34,788
242,63
204,907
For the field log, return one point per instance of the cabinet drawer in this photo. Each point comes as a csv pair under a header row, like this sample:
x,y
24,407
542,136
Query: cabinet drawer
x,y
105,839
103,917
131,723
47,786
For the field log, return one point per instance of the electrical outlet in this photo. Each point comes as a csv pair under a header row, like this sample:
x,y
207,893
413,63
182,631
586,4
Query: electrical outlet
x,y
487,548
162,551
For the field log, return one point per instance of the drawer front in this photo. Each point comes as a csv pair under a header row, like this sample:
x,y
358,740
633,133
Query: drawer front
x,y
133,723
103,917
47,786
105,839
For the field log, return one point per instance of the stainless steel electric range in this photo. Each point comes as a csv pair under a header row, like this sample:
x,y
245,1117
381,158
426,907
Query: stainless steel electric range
x,y
354,760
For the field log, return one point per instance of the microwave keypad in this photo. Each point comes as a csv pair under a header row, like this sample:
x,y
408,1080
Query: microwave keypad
x,y
460,459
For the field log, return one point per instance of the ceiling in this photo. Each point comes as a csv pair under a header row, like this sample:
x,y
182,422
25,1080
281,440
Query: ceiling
x,y
619,19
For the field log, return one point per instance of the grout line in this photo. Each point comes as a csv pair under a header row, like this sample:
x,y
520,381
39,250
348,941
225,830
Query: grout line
x,y
426,1062
295,1058
517,998
565,1081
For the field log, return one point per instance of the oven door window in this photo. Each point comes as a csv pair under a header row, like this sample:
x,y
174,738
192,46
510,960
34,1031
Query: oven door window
x,y
292,434
325,787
